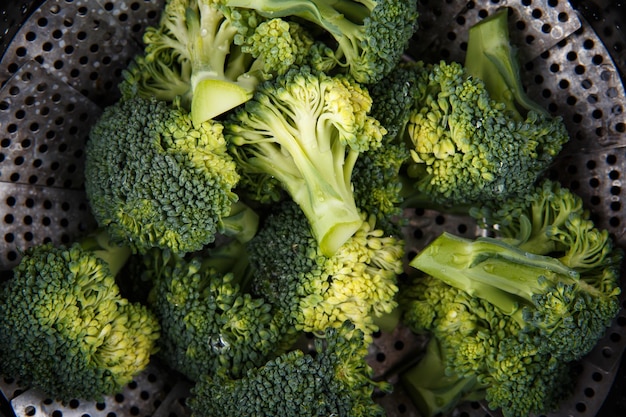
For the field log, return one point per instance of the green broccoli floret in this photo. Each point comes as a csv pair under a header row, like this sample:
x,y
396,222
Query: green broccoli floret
x,y
476,352
212,56
313,291
154,179
567,309
335,381
474,135
395,95
377,183
517,308
209,322
366,38
305,130
66,329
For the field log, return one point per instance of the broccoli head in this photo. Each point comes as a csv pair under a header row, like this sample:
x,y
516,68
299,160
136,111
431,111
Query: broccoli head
x,y
365,38
477,352
154,179
516,309
468,144
305,130
313,291
335,381
209,322
66,329
212,56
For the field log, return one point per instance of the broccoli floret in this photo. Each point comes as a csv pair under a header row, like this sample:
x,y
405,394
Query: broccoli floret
x,y
154,179
567,309
377,183
335,381
395,95
66,329
212,56
476,352
305,130
517,308
314,291
366,38
209,322
467,145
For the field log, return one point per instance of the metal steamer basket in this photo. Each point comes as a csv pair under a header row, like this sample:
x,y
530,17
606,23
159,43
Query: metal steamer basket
x,y
61,65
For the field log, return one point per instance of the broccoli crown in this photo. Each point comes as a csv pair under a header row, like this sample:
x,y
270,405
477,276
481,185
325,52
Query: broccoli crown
x,y
551,221
212,56
516,309
466,149
565,309
305,130
153,179
335,381
208,321
365,38
314,291
477,353
67,330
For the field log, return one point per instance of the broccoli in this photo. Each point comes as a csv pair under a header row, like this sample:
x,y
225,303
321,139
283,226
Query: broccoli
x,y
313,291
66,329
377,185
516,309
212,56
335,381
476,353
366,38
154,179
306,129
209,322
474,135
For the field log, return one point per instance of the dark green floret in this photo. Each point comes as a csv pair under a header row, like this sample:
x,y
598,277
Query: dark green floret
x,y
211,56
66,329
364,38
305,130
209,321
335,381
154,179
474,134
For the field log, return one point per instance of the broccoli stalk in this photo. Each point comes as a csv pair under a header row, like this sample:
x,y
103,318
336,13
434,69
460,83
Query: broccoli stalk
x,y
66,329
433,389
370,36
306,130
492,58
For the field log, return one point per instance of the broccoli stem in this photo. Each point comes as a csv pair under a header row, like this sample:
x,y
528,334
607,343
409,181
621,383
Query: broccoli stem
x,y
493,270
100,244
492,58
212,45
242,223
433,390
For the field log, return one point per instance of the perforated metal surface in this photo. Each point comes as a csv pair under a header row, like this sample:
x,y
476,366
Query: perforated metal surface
x,y
61,69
